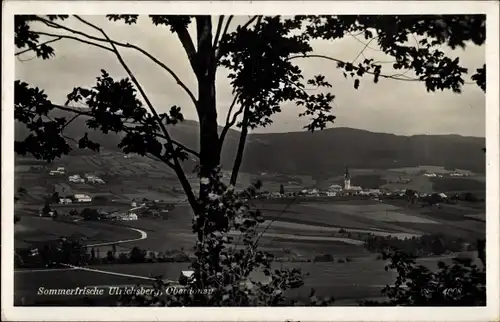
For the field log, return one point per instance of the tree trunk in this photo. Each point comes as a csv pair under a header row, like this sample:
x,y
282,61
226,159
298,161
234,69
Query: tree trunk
x,y
241,147
207,112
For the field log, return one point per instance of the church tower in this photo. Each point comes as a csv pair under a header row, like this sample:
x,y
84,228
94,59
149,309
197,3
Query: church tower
x,y
347,179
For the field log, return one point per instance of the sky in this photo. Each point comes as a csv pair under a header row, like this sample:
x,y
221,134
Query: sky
x,y
390,106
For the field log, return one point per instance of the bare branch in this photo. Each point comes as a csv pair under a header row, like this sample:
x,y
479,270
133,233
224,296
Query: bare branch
x,y
217,33
241,146
69,122
44,43
362,50
244,126
229,122
125,45
274,219
362,42
250,21
226,27
80,112
176,165
73,38
72,110
187,43
355,67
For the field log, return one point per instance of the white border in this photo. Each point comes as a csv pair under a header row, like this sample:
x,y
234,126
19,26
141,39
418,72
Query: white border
x,y
491,312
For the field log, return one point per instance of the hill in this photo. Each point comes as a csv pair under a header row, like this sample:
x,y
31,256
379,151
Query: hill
x,y
321,153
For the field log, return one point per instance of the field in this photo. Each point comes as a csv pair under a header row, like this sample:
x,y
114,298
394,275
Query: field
x,y
304,228
346,282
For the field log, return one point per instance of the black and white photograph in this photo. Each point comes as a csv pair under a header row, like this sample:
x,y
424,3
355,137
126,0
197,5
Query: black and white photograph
x,y
297,157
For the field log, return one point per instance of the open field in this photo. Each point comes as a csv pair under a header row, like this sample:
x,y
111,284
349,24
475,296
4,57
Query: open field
x,y
305,228
312,226
347,282
32,230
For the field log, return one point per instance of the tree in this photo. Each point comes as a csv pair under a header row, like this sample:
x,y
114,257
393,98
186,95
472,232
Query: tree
x,y
282,189
411,196
46,208
260,56
55,197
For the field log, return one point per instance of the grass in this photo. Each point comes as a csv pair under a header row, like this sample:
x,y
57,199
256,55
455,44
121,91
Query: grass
x,y
33,230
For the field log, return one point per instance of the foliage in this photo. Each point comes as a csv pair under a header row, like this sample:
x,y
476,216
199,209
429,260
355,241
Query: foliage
x,y
90,214
259,57
54,253
457,184
137,255
459,284
436,244
46,208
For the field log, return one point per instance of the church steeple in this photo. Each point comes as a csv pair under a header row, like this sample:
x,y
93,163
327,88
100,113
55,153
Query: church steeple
x,y
347,179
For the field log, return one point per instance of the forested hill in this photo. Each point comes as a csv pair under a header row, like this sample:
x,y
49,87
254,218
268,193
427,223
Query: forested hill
x,y
322,152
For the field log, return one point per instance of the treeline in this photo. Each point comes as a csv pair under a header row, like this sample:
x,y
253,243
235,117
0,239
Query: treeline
x,y
72,251
432,244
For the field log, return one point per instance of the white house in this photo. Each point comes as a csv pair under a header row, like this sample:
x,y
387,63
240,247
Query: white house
x,y
90,178
61,169
335,188
374,192
442,195
126,217
99,181
65,201
76,178
80,197
331,193
430,175
354,189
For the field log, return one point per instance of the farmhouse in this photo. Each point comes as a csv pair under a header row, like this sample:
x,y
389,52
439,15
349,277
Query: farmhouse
x,y
335,188
65,201
80,197
76,178
126,217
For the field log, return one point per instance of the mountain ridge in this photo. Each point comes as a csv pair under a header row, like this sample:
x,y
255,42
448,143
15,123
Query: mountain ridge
x,y
320,153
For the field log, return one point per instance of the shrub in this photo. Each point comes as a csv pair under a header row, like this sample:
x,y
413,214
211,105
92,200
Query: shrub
x,y
424,245
323,258
341,260
459,284
138,255
123,258
110,257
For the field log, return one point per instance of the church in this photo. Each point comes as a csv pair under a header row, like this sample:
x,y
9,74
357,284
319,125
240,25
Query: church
x,y
347,183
